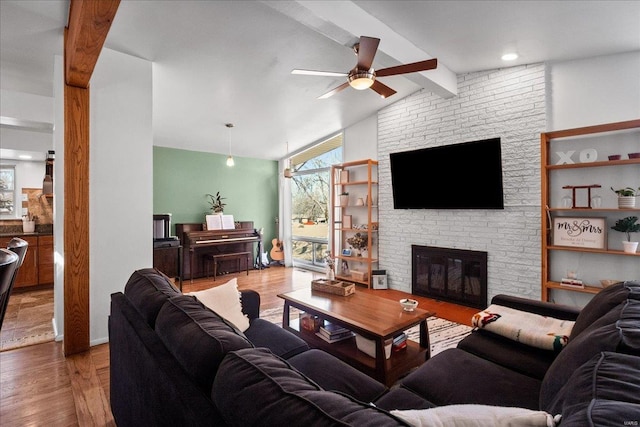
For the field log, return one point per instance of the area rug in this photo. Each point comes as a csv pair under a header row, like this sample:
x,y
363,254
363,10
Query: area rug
x,y
13,343
443,334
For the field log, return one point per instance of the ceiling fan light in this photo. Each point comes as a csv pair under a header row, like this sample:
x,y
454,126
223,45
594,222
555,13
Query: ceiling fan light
x,y
361,80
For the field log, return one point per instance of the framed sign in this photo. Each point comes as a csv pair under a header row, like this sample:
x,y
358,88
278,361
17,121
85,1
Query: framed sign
x,y
346,221
576,232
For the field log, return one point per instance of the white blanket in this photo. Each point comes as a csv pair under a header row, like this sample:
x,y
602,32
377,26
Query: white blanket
x,y
532,329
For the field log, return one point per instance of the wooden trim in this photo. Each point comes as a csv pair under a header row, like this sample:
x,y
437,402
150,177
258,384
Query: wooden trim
x,y
76,220
608,127
89,24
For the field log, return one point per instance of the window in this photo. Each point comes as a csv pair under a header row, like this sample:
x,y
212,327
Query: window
x,y
7,191
310,190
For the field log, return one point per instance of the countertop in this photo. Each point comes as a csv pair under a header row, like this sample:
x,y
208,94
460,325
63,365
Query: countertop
x,y
22,234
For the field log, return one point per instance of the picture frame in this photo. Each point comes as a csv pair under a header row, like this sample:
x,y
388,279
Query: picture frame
x,y
580,232
346,252
346,221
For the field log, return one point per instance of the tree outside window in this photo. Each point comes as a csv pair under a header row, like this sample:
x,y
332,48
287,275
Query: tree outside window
x,y
7,190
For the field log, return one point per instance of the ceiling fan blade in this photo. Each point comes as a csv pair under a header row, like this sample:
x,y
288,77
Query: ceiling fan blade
x,y
367,51
334,91
382,89
414,67
318,73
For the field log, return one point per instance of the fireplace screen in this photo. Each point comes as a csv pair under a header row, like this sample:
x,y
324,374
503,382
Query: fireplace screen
x,y
454,275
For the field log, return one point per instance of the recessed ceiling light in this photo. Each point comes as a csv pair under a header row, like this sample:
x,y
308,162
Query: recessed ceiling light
x,y
25,157
509,56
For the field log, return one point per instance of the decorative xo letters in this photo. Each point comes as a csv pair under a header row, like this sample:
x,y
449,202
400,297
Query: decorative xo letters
x,y
587,155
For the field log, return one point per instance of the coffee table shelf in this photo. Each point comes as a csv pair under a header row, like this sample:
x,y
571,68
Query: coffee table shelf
x,y
347,351
368,315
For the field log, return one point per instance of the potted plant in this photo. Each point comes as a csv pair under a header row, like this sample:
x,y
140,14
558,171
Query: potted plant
x,y
217,206
626,197
344,199
628,225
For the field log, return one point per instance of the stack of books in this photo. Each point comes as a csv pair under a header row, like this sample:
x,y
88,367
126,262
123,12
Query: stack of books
x,y
399,342
333,333
573,283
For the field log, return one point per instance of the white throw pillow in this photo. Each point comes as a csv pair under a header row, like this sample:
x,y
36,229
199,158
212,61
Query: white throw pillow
x,y
476,416
225,300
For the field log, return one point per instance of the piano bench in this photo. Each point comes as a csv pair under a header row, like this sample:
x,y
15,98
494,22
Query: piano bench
x,y
215,258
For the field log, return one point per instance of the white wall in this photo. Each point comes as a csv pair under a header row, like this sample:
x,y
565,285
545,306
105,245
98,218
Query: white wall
x,y
121,183
26,106
506,103
361,140
593,91
121,176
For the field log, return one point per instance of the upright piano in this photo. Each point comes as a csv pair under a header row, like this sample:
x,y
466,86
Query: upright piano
x,y
198,242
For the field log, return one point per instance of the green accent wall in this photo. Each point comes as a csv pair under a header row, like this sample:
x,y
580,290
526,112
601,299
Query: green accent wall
x,y
182,178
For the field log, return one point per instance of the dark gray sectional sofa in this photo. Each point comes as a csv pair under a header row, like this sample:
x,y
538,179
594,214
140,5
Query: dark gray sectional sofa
x,y
174,362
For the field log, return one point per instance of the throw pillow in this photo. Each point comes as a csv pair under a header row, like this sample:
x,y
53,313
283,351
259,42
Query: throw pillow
x,y
476,416
225,301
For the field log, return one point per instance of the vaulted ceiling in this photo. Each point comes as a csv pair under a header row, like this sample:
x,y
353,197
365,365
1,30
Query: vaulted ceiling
x,y
217,62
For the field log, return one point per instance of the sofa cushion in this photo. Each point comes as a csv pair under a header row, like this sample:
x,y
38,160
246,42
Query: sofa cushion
x,y
255,387
604,413
606,376
341,377
522,358
148,289
401,398
457,377
225,300
281,342
197,337
602,303
617,331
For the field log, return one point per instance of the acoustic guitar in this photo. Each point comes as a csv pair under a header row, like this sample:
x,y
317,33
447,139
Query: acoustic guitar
x,y
277,252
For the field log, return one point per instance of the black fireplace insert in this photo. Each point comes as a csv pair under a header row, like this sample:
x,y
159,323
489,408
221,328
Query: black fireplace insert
x,y
453,275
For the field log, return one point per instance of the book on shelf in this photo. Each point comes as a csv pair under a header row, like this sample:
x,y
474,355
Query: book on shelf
x,y
399,338
331,329
399,342
573,283
333,339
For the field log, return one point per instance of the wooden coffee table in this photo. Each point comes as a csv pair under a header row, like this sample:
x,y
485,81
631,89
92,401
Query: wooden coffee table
x,y
368,315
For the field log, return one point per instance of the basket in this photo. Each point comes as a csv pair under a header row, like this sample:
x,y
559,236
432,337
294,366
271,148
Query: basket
x,y
335,287
359,275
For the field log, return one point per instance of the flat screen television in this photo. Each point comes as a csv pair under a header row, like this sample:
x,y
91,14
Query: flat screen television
x,y
458,176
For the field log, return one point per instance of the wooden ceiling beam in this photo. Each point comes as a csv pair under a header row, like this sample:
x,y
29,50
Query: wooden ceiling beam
x,y
89,24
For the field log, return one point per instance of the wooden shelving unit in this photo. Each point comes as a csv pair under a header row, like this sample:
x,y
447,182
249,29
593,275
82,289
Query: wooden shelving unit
x,y
586,137
360,180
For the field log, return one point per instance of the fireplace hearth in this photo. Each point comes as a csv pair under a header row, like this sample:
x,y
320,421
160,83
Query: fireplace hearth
x,y
453,275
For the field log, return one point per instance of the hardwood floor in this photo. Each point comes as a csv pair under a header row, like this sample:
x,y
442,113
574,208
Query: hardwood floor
x,y
39,386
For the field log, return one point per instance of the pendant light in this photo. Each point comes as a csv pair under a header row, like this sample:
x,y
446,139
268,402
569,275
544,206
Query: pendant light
x,y
287,170
230,161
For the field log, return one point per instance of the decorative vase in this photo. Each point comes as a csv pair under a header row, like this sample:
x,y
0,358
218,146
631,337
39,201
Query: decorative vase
x,y
344,200
28,226
329,273
626,202
630,247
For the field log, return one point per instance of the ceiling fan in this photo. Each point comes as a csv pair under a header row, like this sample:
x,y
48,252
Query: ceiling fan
x,y
363,76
